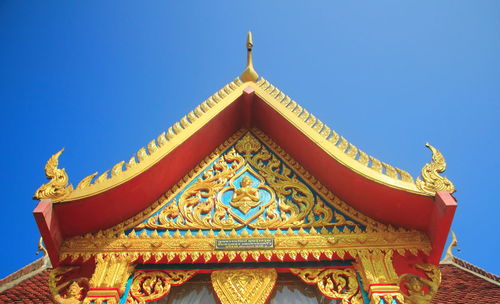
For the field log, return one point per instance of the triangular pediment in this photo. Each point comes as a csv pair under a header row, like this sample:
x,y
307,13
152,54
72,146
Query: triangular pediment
x,y
252,184
249,190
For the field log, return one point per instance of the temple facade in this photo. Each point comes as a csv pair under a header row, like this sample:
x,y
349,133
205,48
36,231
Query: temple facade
x,y
249,198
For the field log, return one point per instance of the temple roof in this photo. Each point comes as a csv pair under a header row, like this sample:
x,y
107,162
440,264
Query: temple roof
x,y
389,195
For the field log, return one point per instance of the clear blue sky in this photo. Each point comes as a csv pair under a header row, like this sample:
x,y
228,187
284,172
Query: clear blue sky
x,y
102,78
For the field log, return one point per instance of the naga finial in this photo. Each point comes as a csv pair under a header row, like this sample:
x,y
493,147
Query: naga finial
x,y
41,247
57,188
453,243
431,182
249,74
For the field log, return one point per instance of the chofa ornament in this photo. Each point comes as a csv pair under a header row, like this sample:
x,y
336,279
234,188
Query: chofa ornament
x,y
57,188
431,182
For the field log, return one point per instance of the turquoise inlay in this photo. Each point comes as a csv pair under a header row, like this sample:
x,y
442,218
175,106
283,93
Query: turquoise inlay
x,y
264,195
124,297
364,293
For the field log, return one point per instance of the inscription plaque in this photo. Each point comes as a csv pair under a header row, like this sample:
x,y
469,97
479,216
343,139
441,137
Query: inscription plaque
x,y
244,244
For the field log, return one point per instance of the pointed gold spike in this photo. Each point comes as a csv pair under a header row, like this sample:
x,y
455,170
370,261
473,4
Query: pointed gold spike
x,y
249,74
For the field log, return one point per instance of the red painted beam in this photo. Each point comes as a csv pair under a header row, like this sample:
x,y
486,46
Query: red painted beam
x,y
48,225
441,218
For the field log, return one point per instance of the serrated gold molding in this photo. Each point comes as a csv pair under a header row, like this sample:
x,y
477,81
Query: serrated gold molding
x,y
331,142
431,182
293,241
244,286
57,188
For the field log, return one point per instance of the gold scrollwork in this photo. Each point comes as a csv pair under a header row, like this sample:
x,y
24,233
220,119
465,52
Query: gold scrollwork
x,y
338,284
244,286
64,290
431,182
421,290
293,204
57,188
149,286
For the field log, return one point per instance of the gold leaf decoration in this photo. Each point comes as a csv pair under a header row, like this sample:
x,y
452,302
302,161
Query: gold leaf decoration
x,y
57,188
338,284
244,286
149,286
431,182
421,290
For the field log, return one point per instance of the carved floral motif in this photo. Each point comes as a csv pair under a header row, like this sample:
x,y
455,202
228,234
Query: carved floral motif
x,y
243,286
338,284
149,286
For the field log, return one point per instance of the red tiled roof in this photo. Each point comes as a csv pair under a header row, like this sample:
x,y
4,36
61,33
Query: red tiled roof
x,y
459,286
32,290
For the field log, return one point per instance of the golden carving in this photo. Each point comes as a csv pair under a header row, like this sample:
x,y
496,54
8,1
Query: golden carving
x,y
243,286
199,242
149,286
295,206
431,182
67,290
333,144
338,284
249,74
379,276
111,272
421,290
163,145
246,197
57,188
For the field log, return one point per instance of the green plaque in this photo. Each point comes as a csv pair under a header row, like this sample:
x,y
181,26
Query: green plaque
x,y
244,244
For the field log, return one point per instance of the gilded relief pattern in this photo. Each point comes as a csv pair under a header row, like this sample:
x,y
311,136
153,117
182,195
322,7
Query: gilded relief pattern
x,y
421,290
338,284
243,286
149,286
245,170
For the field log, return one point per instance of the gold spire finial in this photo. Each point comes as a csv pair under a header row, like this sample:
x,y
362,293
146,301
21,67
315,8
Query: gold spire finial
x,y
249,74
453,243
431,182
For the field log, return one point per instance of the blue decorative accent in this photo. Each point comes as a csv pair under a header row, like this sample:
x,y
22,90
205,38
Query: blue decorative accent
x,y
264,192
123,298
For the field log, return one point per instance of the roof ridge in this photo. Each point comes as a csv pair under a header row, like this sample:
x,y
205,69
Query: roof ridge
x,y
473,269
25,273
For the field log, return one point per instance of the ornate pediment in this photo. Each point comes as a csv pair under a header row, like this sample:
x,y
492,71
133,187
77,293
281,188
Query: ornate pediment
x,y
248,189
250,186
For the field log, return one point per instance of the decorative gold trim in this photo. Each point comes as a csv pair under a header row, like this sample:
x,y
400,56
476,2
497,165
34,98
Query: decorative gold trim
x,y
337,284
315,242
332,143
327,139
149,286
194,246
421,290
379,276
249,74
57,188
64,290
244,286
111,271
431,181
160,147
